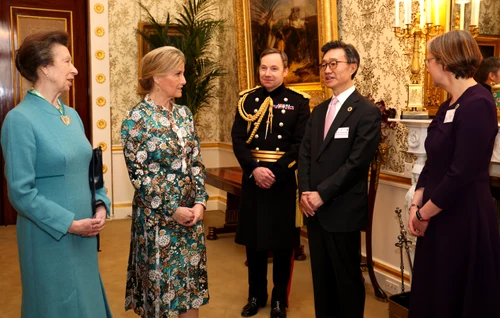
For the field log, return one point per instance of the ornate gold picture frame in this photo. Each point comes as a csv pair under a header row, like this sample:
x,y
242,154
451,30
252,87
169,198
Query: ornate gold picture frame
x,y
144,47
327,30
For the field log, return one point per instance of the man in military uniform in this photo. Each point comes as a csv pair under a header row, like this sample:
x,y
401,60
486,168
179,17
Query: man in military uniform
x,y
268,128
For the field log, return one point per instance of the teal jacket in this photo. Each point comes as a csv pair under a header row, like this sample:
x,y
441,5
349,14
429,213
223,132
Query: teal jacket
x,y
46,166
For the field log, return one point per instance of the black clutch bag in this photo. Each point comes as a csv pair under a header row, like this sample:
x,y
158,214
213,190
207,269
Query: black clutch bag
x,y
96,180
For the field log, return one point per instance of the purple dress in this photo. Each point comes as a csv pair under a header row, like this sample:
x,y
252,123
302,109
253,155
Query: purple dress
x,y
457,262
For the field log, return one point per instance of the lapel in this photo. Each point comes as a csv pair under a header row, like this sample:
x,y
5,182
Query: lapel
x,y
345,111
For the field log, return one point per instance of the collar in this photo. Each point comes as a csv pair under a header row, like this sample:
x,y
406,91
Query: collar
x,y
488,87
342,97
275,92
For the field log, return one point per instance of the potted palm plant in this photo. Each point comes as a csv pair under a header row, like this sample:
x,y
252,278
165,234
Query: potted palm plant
x,y
196,29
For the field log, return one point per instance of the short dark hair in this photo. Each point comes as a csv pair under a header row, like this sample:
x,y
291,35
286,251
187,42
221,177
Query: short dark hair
x,y
272,50
488,65
36,51
350,52
458,52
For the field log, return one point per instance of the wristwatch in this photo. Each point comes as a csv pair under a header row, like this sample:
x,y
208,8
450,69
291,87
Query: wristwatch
x,y
419,216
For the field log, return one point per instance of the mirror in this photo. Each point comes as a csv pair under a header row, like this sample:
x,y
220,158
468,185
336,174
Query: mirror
x,y
488,40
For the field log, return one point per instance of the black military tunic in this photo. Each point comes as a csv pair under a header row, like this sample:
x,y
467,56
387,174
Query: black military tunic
x,y
266,218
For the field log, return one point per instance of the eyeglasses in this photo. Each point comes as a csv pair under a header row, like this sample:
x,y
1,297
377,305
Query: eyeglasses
x,y
332,64
426,60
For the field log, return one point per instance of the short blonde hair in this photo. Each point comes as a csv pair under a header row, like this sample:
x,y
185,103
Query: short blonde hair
x,y
159,61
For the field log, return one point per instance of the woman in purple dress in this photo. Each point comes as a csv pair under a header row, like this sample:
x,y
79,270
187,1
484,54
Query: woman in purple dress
x,y
457,260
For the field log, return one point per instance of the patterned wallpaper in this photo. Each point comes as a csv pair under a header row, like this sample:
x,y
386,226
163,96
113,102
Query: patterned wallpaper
x,y
384,70
385,64
124,59
489,13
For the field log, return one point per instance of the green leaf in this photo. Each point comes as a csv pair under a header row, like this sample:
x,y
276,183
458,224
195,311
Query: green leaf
x,y
198,32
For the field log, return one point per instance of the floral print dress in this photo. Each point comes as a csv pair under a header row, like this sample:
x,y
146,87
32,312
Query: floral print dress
x,y
167,272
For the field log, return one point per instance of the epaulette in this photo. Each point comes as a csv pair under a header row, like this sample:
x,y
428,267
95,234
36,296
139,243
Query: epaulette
x,y
305,95
247,91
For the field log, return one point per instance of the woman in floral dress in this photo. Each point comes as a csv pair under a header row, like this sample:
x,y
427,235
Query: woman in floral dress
x,y
167,273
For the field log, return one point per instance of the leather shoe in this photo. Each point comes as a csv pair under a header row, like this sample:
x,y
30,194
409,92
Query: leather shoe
x,y
278,310
252,307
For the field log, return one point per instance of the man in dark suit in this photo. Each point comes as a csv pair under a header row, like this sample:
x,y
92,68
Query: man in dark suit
x,y
341,138
268,128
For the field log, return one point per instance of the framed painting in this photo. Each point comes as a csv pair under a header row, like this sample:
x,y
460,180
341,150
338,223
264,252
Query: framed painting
x,y
489,45
145,48
297,28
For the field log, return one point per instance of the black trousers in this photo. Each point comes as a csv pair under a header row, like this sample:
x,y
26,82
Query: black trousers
x,y
257,273
339,290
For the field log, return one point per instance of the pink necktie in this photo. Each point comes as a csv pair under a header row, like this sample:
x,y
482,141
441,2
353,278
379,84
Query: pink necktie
x,y
331,115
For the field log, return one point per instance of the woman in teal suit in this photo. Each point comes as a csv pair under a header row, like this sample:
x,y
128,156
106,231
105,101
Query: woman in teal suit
x,y
47,158
167,271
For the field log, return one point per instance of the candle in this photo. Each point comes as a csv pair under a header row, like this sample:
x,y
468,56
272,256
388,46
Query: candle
x,y
421,10
396,23
429,11
436,12
474,13
407,11
462,13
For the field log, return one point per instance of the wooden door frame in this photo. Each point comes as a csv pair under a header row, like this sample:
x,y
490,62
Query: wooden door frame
x,y
81,59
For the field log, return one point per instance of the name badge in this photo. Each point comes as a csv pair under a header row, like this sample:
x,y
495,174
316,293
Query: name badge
x,y
342,133
449,116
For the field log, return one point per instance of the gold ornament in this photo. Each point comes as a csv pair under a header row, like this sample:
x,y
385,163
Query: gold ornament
x,y
100,78
267,105
99,31
100,101
65,119
103,145
101,124
99,54
104,168
98,8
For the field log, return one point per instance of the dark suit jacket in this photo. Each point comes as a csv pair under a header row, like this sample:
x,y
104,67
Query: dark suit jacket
x,y
338,167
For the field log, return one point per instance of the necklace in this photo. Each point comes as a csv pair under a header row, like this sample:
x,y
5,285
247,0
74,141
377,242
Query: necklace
x,y
60,107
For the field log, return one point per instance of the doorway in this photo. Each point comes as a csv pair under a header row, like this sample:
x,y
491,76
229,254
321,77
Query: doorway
x,y
18,19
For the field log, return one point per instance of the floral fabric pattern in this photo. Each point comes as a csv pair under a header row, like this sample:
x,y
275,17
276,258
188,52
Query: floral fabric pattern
x,y
167,272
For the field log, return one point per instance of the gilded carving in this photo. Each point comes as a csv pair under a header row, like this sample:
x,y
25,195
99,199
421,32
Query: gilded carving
x,y
103,145
101,124
98,8
100,101
327,30
100,55
100,78
104,168
99,31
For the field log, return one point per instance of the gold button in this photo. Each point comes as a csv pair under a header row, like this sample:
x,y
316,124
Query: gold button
x,y
277,149
281,124
256,99
256,136
279,136
256,148
283,111
255,110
